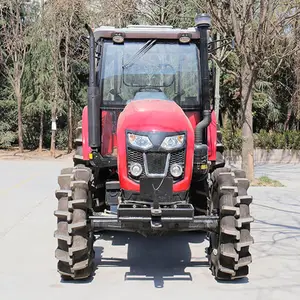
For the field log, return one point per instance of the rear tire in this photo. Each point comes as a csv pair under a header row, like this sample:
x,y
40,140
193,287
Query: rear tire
x,y
74,235
228,253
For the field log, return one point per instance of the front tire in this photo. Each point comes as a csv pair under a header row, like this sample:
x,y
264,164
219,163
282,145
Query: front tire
x,y
229,254
74,235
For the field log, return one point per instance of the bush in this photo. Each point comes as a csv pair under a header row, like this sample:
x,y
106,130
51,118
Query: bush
x,y
8,123
277,140
7,137
62,139
232,138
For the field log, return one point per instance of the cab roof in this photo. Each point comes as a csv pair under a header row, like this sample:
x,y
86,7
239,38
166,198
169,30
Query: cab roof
x,y
146,32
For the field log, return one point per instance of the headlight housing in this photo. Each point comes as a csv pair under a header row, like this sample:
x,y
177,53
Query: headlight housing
x,y
136,169
139,141
173,142
176,170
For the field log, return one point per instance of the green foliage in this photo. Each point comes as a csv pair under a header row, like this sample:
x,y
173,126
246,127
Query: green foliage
x,y
266,181
62,139
277,140
232,138
45,70
8,123
290,140
7,137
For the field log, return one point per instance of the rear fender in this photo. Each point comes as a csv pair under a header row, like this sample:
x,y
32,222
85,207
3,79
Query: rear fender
x,y
212,138
85,134
108,140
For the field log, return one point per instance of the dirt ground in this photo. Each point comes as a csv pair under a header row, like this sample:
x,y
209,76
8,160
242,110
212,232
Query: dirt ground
x,y
15,154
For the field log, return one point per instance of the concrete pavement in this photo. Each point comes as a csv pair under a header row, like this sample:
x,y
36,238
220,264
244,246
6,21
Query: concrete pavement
x,y
132,267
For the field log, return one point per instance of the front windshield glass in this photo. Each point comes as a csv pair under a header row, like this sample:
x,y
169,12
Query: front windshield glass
x,y
163,71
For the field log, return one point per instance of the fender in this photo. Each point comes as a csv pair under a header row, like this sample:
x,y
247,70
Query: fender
x,y
108,139
85,134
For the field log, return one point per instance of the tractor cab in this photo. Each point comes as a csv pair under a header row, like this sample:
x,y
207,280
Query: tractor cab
x,y
144,63
137,69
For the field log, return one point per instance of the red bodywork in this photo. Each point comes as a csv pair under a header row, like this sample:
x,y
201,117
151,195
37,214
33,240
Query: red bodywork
x,y
153,115
109,139
149,115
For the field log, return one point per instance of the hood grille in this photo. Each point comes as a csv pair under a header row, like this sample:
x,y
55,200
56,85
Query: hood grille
x,y
156,161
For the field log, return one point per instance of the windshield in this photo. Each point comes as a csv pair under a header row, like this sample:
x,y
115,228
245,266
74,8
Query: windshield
x,y
163,71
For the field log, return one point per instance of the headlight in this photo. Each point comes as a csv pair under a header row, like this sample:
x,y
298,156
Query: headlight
x,y
136,169
139,141
173,142
176,170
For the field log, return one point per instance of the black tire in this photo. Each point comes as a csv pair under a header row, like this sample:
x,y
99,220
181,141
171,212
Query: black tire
x,y
74,235
228,253
78,156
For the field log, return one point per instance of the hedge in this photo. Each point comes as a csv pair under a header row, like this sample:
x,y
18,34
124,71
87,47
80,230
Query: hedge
x,y
232,140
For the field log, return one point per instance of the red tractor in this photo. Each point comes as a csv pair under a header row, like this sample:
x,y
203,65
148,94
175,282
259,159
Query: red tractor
x,y
148,153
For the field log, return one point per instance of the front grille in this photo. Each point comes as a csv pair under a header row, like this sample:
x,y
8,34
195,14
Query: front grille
x,y
156,162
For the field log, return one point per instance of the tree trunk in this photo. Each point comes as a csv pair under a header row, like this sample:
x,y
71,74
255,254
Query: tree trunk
x,y
67,87
53,118
53,133
286,123
70,126
41,132
20,124
247,76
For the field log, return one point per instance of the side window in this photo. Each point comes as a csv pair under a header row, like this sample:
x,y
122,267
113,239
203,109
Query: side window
x,y
108,74
98,68
189,77
111,77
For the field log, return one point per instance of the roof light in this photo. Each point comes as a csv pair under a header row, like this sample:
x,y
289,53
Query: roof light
x,y
118,38
185,38
202,20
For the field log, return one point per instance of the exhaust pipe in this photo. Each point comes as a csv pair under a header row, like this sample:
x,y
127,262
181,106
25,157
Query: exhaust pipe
x,y
93,97
201,149
203,22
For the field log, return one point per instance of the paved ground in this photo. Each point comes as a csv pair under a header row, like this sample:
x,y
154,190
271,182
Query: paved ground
x,y
176,266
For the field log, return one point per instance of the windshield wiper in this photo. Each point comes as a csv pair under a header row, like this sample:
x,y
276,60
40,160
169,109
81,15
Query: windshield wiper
x,y
139,53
